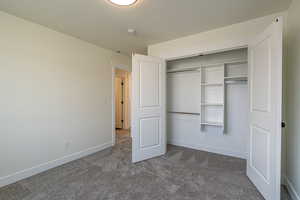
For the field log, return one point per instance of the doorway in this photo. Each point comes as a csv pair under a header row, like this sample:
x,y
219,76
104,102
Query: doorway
x,y
122,94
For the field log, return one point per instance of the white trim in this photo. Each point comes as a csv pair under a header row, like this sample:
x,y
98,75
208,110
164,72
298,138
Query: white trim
x,y
201,147
113,107
6,180
291,189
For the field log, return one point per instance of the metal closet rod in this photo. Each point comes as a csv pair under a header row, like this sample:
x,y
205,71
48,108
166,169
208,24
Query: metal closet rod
x,y
184,113
236,82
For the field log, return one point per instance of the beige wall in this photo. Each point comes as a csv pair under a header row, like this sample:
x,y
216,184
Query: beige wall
x,y
293,97
56,97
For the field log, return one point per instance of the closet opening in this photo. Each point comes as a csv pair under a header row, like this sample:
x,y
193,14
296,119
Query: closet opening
x,y
208,102
208,105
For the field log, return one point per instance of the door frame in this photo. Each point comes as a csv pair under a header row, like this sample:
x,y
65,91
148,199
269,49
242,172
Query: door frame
x,y
114,68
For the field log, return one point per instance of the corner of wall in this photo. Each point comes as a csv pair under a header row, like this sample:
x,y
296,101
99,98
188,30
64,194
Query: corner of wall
x,y
291,189
20,175
292,99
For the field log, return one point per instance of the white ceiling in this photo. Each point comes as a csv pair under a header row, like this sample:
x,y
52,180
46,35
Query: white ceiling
x,y
155,21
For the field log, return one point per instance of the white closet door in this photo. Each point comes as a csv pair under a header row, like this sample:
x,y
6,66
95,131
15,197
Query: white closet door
x,y
149,107
264,159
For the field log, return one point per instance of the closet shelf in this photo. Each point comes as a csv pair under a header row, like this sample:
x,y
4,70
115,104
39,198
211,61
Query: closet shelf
x,y
212,104
225,63
219,124
236,78
212,84
183,113
197,68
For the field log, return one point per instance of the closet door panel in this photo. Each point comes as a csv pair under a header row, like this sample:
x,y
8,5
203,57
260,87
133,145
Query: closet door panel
x,y
265,76
148,107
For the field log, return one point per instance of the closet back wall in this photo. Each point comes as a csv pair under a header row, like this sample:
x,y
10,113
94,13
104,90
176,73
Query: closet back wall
x,y
184,96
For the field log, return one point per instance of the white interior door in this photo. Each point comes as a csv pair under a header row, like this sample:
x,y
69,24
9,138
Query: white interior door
x,y
265,76
148,107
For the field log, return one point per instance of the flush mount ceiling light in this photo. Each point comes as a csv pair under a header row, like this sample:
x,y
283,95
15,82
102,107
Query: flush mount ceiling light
x,y
123,2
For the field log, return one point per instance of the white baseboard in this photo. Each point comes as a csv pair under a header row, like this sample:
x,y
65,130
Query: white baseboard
x,y
291,189
200,147
49,165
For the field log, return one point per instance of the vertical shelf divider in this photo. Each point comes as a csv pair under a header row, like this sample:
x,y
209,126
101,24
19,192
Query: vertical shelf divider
x,y
200,104
224,99
212,111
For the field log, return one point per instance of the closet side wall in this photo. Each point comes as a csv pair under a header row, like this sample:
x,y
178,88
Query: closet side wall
x,y
185,130
293,101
